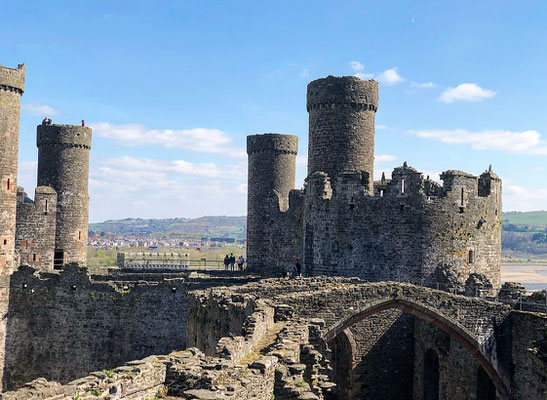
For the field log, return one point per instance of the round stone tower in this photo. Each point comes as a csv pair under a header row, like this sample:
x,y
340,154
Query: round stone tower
x,y
12,85
341,126
272,160
63,164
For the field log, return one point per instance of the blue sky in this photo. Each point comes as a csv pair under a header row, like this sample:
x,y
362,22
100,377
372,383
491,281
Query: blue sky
x,y
172,88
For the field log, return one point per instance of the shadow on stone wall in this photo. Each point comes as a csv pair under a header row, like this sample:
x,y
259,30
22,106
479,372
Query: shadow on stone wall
x,y
64,326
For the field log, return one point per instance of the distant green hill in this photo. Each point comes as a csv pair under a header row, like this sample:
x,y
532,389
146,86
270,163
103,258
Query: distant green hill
x,y
524,235
526,218
220,226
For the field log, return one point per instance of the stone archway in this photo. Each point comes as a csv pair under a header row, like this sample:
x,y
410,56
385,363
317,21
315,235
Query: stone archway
x,y
452,328
343,348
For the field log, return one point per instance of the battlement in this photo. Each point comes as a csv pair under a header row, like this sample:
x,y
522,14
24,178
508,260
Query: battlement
x,y
272,142
64,135
407,183
347,92
12,78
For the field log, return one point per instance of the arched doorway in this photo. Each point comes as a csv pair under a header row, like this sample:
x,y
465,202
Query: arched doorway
x,y
431,375
452,328
343,349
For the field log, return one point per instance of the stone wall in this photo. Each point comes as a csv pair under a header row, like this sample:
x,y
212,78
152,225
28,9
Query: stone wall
x,y
422,233
63,164
12,85
294,357
62,326
35,234
384,344
479,345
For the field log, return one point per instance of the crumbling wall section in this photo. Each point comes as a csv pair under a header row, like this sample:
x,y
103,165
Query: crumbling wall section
x,y
62,326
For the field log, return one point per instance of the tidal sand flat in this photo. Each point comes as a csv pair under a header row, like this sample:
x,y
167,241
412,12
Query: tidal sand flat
x,y
532,276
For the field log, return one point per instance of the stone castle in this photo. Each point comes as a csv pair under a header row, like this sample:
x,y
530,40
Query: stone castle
x,y
406,228
50,231
370,321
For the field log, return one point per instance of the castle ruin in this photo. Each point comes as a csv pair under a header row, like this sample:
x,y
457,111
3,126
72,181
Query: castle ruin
x,y
372,329
343,223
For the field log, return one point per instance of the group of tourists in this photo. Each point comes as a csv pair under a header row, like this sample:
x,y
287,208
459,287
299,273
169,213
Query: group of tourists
x,y
230,261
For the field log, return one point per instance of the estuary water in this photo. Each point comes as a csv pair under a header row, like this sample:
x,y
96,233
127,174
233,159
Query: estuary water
x,y
532,275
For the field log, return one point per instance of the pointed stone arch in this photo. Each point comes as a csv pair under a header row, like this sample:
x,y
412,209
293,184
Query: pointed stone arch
x,y
454,329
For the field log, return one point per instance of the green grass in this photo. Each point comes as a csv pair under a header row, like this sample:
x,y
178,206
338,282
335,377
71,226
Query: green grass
x,y
526,218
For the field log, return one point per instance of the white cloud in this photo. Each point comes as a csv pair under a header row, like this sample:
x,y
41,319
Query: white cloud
x,y
41,110
364,76
150,188
381,127
517,198
423,85
199,139
390,77
526,142
356,66
466,92
26,176
384,158
181,167
305,72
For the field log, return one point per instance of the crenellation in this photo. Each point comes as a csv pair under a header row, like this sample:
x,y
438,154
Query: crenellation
x,y
407,228
13,79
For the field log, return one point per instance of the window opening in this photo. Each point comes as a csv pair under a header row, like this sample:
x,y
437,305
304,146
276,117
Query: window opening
x,y
402,186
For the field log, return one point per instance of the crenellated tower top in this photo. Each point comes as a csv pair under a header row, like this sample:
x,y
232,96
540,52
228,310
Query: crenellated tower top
x,y
13,78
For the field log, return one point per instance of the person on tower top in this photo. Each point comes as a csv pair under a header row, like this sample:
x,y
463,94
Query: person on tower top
x,y
83,122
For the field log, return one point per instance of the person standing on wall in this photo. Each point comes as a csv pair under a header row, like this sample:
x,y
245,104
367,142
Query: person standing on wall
x,y
232,261
226,262
240,262
298,268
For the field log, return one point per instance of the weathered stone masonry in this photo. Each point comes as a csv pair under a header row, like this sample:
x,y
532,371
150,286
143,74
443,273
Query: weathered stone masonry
x,y
479,343
63,164
12,85
406,228
274,208
36,222
62,326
